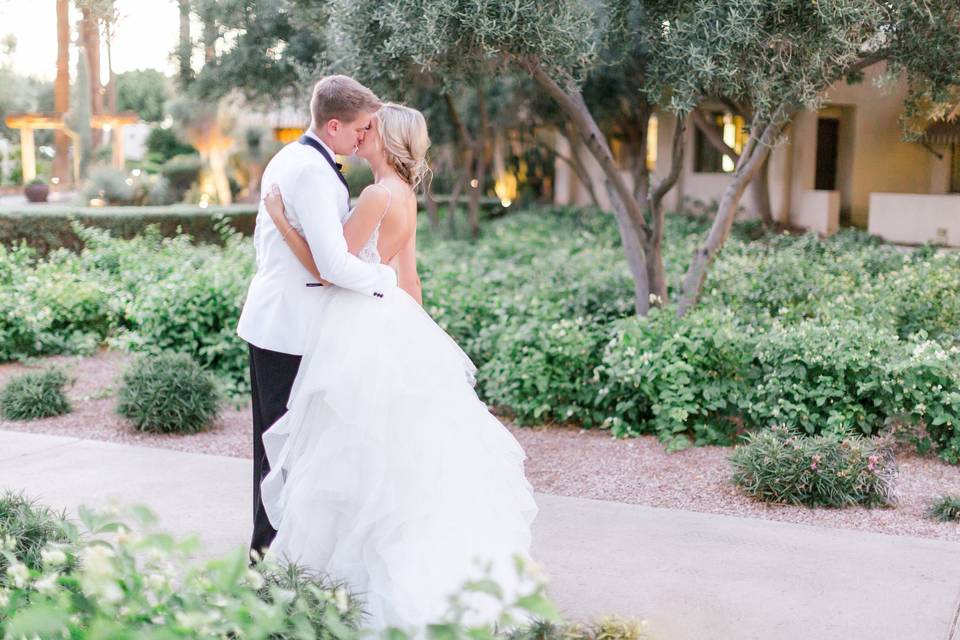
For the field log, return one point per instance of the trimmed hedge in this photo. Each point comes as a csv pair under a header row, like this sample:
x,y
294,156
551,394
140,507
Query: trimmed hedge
x,y
48,228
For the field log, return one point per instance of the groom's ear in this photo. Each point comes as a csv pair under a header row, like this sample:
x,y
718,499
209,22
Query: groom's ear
x,y
333,126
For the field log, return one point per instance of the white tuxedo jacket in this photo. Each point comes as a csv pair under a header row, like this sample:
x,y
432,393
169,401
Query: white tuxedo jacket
x,y
279,304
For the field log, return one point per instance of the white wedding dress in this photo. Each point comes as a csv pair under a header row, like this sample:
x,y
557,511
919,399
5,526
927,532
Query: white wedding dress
x,y
387,471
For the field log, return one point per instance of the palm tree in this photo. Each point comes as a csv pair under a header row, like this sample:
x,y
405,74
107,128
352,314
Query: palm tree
x,y
61,89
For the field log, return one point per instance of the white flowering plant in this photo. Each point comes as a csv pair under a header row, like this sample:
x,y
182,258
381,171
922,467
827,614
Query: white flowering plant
x,y
124,578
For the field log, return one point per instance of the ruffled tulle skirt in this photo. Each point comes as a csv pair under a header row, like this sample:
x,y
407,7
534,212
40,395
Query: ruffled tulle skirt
x,y
388,472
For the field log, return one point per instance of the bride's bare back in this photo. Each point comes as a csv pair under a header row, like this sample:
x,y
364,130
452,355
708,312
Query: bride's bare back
x,y
392,204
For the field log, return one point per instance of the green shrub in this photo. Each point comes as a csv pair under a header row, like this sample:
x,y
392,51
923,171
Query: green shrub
x,y
681,378
546,372
834,469
115,187
195,310
137,582
924,296
163,145
53,228
924,384
814,376
167,393
945,509
182,171
34,395
32,528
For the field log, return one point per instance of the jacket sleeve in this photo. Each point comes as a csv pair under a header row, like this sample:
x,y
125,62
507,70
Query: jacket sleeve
x,y
313,199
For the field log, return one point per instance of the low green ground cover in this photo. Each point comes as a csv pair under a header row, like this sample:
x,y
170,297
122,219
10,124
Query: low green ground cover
x,y
792,330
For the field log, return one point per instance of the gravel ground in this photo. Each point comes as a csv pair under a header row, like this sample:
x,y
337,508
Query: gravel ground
x,y
561,460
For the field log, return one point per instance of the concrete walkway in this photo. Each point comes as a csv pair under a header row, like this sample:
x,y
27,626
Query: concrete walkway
x,y
691,575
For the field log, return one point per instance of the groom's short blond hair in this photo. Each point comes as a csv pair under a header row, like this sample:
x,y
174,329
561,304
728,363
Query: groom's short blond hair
x,y
340,98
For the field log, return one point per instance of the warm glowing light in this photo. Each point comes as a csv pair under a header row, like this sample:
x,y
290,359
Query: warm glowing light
x,y
97,202
506,188
54,180
129,182
135,173
474,183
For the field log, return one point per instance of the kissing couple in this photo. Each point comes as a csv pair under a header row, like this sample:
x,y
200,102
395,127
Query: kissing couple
x,y
374,460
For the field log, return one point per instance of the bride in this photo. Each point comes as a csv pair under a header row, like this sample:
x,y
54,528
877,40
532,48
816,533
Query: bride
x,y
387,470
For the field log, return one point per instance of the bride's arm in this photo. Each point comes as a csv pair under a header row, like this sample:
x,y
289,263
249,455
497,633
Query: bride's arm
x,y
274,204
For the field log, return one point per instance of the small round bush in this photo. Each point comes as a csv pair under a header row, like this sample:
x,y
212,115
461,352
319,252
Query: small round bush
x,y
833,469
168,393
945,509
35,395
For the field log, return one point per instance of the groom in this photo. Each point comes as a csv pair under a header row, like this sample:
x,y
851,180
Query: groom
x,y
276,312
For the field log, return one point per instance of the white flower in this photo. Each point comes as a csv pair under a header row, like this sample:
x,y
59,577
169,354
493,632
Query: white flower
x,y
47,584
255,579
341,600
96,560
19,573
53,557
156,581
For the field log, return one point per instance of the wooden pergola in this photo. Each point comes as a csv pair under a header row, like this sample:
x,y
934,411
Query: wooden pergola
x,y
28,122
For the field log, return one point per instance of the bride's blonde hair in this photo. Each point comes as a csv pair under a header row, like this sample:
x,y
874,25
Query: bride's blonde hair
x,y
403,135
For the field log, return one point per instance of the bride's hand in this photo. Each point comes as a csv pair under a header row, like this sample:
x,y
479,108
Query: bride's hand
x,y
273,201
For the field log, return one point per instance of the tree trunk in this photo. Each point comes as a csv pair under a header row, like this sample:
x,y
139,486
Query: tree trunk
x,y
90,37
754,154
655,266
481,147
112,86
761,193
218,167
433,210
185,48
578,167
61,94
629,214
454,203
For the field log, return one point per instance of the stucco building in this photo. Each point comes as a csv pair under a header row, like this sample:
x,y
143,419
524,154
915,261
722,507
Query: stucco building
x,y
846,164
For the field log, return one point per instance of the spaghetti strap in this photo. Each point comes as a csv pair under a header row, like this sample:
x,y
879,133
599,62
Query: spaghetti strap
x,y
389,199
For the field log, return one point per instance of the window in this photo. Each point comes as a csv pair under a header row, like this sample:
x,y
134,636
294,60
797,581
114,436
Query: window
x,y
707,158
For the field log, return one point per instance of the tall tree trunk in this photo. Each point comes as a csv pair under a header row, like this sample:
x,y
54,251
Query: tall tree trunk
x,y
754,155
90,37
433,210
628,212
455,194
654,199
61,93
185,48
761,193
466,153
577,163
209,42
112,82
481,148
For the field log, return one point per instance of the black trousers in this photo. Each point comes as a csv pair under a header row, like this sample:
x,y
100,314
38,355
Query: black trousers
x,y
271,378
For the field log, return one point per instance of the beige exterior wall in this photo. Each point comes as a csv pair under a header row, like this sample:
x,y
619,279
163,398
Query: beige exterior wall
x,y
872,158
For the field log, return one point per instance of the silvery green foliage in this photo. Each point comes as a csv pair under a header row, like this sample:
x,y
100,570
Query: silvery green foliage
x,y
780,55
463,38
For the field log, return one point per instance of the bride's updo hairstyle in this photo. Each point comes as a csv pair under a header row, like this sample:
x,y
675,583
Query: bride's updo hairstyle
x,y
403,136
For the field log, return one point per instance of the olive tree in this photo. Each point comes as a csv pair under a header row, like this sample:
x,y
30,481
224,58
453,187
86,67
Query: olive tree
x,y
557,45
779,57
